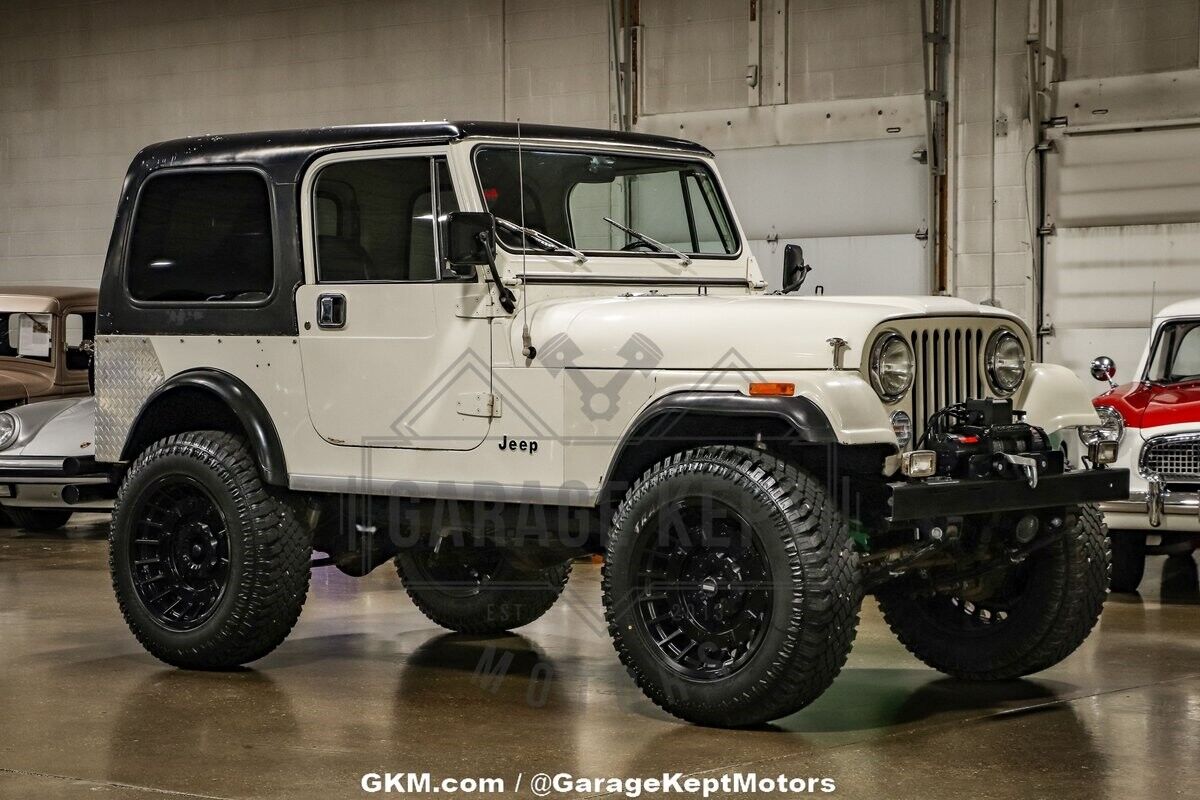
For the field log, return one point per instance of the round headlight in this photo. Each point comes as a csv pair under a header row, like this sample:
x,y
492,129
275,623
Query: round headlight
x,y
1110,429
892,366
9,430
1005,358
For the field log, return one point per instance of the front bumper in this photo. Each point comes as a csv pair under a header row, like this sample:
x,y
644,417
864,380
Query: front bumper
x,y
1158,507
56,482
32,468
947,497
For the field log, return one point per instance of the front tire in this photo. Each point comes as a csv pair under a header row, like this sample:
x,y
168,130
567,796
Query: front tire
x,y
1038,614
731,588
1128,560
39,519
209,565
478,589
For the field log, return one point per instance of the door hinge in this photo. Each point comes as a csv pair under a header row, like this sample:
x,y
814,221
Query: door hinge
x,y
479,404
1046,230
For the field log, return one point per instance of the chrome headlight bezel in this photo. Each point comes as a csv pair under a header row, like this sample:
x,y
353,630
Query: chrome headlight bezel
x,y
10,429
885,386
1004,386
1110,429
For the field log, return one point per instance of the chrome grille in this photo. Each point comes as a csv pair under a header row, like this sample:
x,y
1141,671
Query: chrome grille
x,y
949,369
1172,458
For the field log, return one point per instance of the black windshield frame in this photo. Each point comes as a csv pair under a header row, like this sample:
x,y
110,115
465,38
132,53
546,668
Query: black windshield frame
x,y
719,195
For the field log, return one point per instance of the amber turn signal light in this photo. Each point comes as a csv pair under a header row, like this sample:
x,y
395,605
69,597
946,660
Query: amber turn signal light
x,y
772,389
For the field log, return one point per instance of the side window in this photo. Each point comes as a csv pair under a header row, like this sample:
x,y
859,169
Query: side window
x,y
80,333
381,219
25,335
1186,363
202,236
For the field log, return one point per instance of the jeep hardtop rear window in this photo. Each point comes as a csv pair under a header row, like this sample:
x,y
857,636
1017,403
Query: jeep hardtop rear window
x,y
202,235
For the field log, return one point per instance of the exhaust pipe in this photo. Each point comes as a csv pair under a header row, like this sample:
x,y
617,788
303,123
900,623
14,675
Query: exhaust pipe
x,y
75,493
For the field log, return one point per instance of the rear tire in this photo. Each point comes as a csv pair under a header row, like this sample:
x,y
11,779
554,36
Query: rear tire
x,y
1042,613
209,565
39,519
479,590
731,588
1128,560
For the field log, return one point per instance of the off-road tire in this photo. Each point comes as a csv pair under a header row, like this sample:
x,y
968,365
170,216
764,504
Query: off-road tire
x,y
511,597
39,519
1060,604
814,588
270,552
1128,560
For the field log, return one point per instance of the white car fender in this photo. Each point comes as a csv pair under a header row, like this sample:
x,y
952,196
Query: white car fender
x,y
1053,398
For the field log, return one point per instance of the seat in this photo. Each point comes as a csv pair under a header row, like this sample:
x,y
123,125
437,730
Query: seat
x,y
342,260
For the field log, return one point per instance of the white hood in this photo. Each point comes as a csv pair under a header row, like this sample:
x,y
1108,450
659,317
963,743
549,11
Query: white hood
x,y
700,332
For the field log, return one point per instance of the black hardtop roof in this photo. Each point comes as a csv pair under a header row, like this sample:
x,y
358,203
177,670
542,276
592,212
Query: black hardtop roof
x,y
298,145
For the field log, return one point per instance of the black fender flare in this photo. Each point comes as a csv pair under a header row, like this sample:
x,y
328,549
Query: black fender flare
x,y
803,417
241,400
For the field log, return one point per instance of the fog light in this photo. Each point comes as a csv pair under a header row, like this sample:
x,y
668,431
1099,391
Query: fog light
x,y
902,427
918,463
1103,452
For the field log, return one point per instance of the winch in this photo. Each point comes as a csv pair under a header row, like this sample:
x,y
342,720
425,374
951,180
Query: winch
x,y
986,438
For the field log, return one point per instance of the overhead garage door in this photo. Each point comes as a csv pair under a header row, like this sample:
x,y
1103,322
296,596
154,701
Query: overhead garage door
x,y
855,207
1126,211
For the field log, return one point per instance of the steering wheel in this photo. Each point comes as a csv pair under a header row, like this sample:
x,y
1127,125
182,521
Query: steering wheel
x,y
639,244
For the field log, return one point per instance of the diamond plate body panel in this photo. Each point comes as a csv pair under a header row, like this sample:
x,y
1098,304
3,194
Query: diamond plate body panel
x,y
127,371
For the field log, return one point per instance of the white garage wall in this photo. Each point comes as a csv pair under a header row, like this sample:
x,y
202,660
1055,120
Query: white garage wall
x,y
853,206
1125,205
85,84
1103,282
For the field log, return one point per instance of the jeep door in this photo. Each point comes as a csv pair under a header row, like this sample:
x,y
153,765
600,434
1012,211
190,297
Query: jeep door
x,y
389,358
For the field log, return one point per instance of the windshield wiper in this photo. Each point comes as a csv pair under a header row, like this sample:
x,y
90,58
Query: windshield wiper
x,y
541,238
657,245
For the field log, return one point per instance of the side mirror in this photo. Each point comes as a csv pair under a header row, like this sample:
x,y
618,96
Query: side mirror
x,y
470,237
1104,369
794,268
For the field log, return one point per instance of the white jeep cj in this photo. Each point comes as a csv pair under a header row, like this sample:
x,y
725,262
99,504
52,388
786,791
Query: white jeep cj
x,y
484,354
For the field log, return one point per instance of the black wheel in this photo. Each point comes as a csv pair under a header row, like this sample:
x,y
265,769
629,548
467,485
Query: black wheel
x,y
1128,560
730,586
39,519
478,589
209,565
1020,619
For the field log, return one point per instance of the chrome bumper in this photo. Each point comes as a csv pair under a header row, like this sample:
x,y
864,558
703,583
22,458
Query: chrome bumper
x,y
1156,503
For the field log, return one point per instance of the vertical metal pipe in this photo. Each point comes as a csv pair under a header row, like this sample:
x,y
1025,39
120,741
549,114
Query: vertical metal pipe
x,y
992,123
614,24
627,7
504,59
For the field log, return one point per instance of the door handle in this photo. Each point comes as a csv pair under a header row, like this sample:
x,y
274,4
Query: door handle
x,y
331,311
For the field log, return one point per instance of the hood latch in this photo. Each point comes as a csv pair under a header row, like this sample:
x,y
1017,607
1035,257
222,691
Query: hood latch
x,y
840,346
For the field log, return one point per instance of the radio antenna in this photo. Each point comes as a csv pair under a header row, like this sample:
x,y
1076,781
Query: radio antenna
x,y
527,349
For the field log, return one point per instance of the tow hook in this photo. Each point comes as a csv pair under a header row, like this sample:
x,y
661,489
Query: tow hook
x,y
1026,463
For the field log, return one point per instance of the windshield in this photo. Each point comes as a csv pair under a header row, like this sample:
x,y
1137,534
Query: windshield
x,y
25,335
1177,352
568,194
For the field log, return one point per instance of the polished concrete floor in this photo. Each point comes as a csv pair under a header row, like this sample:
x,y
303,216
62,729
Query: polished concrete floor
x,y
365,684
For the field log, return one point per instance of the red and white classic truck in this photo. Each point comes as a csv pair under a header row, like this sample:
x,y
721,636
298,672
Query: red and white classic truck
x,y
1156,419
